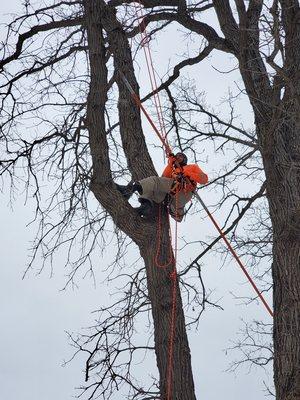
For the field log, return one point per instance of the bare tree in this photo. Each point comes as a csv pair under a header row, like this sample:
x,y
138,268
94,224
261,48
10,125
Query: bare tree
x,y
60,72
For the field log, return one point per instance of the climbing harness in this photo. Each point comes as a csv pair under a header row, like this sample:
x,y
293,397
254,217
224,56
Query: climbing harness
x,y
173,274
181,183
179,186
162,134
210,216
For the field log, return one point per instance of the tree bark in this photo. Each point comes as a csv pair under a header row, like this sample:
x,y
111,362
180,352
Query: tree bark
x,y
278,129
281,155
160,288
282,167
99,19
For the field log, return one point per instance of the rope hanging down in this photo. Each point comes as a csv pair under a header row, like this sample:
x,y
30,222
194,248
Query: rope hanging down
x,y
140,105
145,39
242,266
162,135
173,277
172,258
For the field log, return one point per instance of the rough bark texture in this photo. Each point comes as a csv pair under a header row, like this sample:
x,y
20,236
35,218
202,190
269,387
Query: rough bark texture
x,y
102,184
98,20
278,129
160,292
283,186
133,141
264,37
282,166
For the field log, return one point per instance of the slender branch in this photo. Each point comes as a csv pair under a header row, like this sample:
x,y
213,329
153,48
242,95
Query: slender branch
x,y
34,31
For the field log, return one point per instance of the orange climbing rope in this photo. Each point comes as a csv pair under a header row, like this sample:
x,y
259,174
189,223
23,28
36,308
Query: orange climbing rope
x,y
233,252
140,105
151,72
162,135
138,102
173,274
173,277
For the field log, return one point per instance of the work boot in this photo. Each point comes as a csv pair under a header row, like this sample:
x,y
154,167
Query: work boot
x,y
128,190
146,208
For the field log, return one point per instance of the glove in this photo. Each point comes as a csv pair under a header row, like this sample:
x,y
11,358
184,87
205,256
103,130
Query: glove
x,y
171,159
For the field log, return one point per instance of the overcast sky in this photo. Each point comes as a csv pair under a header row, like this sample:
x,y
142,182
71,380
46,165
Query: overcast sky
x,y
35,313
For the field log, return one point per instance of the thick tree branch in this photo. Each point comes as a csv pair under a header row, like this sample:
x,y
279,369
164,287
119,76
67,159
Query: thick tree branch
x,y
133,140
102,184
193,25
227,22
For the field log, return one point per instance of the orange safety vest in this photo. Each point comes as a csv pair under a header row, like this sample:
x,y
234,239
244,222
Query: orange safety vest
x,y
192,171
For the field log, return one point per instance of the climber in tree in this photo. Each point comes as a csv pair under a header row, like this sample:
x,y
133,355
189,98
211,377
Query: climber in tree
x,y
175,187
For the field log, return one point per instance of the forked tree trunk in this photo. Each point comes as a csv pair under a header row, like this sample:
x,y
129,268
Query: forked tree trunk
x,y
99,19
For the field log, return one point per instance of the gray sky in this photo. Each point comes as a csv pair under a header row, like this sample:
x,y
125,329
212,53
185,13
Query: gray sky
x,y
35,313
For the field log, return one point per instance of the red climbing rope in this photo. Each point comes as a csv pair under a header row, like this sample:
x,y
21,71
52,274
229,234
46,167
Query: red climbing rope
x,y
173,277
168,151
145,39
140,105
138,102
170,369
162,135
234,254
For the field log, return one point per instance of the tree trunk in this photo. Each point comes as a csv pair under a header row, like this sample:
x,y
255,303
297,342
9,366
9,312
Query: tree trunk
x,y
282,166
100,18
160,289
278,129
